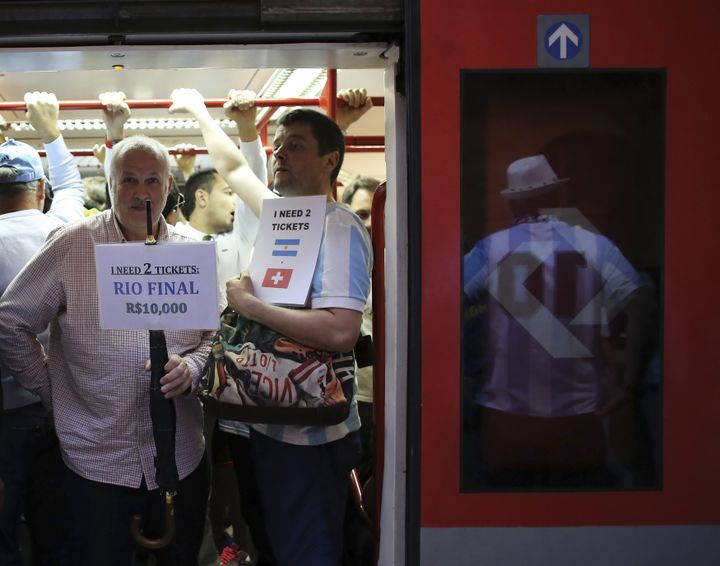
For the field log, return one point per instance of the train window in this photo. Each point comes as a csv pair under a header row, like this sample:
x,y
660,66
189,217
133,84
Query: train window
x,y
562,243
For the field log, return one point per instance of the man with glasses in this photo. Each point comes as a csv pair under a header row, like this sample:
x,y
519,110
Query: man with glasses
x,y
173,207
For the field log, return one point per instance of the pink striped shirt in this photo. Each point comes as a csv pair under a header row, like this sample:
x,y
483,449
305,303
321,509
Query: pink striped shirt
x,y
94,379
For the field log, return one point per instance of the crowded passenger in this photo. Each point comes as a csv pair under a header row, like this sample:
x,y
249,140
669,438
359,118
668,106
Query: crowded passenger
x,y
30,463
358,195
96,380
304,509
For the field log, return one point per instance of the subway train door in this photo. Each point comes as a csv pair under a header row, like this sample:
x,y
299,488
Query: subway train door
x,y
568,307
78,73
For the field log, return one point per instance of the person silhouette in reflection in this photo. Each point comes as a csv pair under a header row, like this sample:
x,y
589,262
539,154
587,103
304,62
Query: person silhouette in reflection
x,y
539,297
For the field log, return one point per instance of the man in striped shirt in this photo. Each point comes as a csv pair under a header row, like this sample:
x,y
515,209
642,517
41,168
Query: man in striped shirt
x,y
539,298
97,381
302,472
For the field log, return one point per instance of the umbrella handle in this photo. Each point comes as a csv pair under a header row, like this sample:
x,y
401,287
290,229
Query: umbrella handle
x,y
163,541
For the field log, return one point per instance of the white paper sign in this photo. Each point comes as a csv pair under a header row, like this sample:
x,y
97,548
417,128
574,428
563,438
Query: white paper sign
x,y
286,248
166,286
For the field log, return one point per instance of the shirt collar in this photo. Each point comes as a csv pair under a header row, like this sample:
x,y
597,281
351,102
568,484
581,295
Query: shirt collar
x,y
117,233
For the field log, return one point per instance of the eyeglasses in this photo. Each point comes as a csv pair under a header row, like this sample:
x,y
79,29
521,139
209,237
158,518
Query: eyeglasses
x,y
180,201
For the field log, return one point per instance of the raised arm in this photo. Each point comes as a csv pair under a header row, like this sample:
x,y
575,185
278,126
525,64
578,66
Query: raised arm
x,y
330,329
185,159
68,191
31,301
227,158
42,113
357,104
115,113
4,127
240,107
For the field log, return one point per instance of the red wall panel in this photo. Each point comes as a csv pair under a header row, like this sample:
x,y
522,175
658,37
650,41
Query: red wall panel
x,y
497,34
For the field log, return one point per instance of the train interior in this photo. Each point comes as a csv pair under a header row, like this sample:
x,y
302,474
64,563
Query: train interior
x,y
152,73
149,74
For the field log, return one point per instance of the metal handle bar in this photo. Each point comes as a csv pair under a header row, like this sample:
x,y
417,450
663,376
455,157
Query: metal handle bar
x,y
167,102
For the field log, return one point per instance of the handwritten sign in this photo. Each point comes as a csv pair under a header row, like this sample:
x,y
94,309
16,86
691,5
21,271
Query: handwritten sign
x,y
286,248
167,286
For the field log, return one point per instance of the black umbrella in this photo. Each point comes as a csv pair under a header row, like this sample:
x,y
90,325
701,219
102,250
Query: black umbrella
x,y
162,413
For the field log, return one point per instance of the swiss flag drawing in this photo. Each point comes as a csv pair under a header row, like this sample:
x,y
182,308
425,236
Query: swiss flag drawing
x,y
277,278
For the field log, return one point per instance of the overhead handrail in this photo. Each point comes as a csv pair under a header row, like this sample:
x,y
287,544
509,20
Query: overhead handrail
x,y
355,144
167,102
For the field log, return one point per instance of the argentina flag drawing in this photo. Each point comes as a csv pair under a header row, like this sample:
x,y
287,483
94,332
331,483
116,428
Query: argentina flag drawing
x,y
286,247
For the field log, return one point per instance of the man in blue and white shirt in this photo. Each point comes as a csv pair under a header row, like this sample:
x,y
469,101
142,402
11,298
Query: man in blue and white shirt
x,y
539,298
302,472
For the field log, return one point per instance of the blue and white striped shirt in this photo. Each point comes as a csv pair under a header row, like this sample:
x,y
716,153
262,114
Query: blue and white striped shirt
x,y
341,280
545,293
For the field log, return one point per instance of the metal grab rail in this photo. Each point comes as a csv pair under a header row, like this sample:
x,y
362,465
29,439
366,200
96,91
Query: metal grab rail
x,y
377,213
167,102
356,491
355,144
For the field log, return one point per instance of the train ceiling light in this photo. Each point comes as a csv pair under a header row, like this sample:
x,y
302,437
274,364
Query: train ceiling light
x,y
287,83
132,124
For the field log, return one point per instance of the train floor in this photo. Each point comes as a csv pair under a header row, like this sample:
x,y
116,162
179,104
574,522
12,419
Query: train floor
x,y
149,561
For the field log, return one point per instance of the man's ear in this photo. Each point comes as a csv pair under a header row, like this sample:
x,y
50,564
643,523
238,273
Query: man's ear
x,y
40,194
201,197
169,186
331,160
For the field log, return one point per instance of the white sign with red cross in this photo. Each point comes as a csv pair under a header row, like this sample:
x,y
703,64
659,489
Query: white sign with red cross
x,y
287,248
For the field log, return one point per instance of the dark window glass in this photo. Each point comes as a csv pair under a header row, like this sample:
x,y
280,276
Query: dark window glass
x,y
562,231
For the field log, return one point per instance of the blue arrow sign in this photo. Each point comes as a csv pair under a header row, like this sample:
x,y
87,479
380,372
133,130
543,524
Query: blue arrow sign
x,y
563,40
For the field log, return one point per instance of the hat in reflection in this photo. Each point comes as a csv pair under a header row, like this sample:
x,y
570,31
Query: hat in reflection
x,y
529,177
19,163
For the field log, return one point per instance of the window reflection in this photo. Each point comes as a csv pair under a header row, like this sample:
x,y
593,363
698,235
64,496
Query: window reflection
x,y
561,364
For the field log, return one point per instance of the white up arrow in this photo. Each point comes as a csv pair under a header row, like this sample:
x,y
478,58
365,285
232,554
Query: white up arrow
x,y
563,33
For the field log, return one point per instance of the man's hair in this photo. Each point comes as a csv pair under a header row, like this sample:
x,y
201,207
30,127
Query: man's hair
x,y
365,183
327,133
139,143
94,192
203,179
174,196
12,189
8,174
